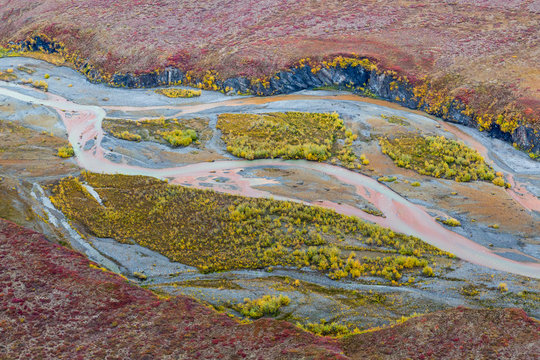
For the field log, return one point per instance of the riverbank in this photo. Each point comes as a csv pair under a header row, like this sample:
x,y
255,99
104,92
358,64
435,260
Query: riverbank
x,y
358,75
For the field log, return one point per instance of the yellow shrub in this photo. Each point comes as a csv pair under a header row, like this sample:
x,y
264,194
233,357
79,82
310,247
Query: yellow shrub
x,y
499,181
178,93
427,271
65,152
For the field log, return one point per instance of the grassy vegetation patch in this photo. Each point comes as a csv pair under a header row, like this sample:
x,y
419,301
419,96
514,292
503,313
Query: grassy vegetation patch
x,y
8,75
178,93
215,231
173,132
289,135
327,328
207,283
439,157
394,119
26,69
38,84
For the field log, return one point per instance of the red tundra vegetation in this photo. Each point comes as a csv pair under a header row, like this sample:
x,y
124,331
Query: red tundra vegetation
x,y
486,46
56,304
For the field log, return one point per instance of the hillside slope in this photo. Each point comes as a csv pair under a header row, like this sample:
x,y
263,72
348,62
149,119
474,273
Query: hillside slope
x,y
55,304
483,52
455,334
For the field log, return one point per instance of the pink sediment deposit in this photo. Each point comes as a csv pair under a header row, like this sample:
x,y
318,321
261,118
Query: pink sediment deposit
x,y
522,195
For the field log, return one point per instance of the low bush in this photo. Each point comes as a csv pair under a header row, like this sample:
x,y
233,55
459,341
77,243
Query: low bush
x,y
40,84
451,222
178,93
7,76
266,305
427,271
65,152
387,178
179,137
126,135
326,329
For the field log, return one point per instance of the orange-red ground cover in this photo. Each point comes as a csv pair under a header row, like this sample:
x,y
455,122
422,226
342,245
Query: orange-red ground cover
x,y
476,50
55,305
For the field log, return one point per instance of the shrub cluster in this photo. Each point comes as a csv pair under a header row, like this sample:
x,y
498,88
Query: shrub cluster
x,y
40,84
8,75
266,305
179,137
174,132
289,135
326,328
216,231
178,93
439,157
126,135
65,152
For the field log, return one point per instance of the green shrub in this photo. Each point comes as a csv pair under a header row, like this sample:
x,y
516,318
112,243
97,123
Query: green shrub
x,y
326,329
451,222
139,275
387,178
179,137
